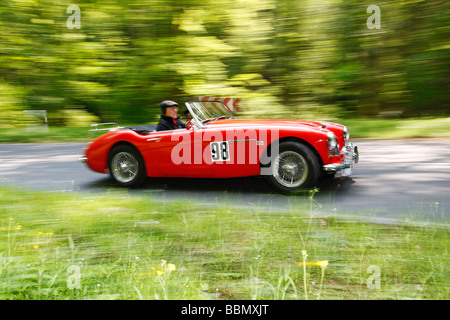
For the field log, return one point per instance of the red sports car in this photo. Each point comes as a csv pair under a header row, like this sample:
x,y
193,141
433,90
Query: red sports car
x,y
291,154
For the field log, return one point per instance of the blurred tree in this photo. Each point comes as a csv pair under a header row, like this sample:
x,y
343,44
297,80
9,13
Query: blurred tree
x,y
284,57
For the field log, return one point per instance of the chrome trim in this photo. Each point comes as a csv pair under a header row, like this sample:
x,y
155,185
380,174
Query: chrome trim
x,y
243,140
258,142
346,133
351,155
336,166
154,139
96,125
195,121
82,159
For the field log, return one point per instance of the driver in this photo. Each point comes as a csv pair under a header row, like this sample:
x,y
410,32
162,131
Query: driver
x,y
169,118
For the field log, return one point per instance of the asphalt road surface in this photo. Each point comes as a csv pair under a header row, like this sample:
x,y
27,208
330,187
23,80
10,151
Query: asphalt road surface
x,y
395,180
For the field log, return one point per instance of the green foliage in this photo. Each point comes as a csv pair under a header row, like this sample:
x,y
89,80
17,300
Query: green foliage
x,y
284,57
10,104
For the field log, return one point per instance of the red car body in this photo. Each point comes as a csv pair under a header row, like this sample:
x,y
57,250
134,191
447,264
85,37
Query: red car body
x,y
246,148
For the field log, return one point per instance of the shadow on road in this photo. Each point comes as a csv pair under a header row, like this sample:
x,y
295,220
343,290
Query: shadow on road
x,y
248,185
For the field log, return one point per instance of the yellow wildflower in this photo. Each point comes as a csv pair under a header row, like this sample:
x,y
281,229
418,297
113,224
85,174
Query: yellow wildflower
x,y
159,272
39,233
322,264
171,267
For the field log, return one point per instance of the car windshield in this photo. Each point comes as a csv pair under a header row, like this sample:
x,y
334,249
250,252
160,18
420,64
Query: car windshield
x,y
205,111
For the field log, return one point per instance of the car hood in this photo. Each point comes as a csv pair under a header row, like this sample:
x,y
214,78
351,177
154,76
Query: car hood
x,y
320,125
283,124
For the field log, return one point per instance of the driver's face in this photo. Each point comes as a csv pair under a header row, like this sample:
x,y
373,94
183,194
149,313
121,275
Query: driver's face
x,y
172,112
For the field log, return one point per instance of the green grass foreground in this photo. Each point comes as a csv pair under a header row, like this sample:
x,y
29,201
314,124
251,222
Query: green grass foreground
x,y
359,128
122,246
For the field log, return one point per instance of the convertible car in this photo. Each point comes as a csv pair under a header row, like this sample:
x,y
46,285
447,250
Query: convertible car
x,y
291,154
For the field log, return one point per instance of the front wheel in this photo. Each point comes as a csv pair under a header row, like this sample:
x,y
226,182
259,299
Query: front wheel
x,y
294,167
126,166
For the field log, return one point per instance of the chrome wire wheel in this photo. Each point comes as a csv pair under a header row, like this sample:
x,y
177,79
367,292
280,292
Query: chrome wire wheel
x,y
290,169
124,167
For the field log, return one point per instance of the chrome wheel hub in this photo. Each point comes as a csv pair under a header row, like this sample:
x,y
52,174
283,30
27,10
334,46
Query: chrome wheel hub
x,y
124,167
290,169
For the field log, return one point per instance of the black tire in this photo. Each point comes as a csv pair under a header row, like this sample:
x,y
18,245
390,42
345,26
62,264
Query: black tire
x,y
299,167
126,166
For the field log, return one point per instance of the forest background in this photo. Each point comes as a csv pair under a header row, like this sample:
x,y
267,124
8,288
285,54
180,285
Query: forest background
x,y
109,60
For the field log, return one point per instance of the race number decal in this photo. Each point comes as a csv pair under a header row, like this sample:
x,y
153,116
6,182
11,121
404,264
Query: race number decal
x,y
220,151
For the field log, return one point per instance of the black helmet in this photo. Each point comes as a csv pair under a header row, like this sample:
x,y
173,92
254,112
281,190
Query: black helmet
x,y
167,104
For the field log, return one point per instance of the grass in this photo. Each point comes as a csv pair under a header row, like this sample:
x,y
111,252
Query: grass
x,y
122,246
359,128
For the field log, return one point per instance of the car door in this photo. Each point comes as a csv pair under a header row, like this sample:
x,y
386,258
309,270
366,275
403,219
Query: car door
x,y
177,153
231,152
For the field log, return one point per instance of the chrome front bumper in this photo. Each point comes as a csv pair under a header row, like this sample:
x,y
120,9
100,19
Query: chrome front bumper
x,y
345,168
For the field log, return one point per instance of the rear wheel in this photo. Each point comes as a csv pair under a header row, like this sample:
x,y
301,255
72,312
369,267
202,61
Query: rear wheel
x,y
294,167
126,166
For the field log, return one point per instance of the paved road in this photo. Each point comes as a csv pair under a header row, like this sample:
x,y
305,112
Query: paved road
x,y
394,180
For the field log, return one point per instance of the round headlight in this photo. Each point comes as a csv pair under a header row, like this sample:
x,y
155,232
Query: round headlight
x,y
346,133
332,141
